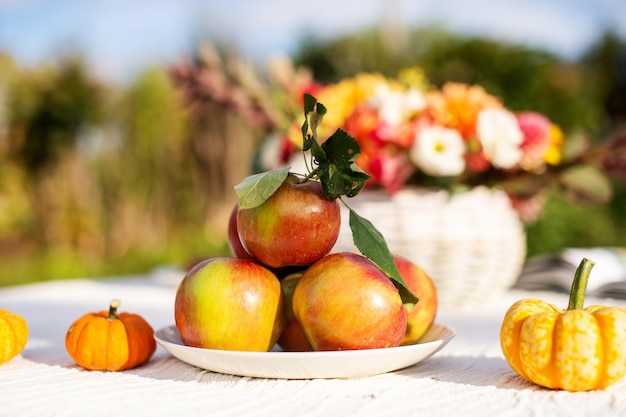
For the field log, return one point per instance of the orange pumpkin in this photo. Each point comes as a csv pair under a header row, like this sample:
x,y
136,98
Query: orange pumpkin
x,y
108,341
13,335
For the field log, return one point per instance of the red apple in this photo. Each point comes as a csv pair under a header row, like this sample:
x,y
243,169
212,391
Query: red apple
x,y
296,226
234,243
421,317
292,339
344,301
231,304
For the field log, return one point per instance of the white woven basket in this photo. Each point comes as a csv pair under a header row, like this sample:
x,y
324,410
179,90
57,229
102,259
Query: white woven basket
x,y
472,244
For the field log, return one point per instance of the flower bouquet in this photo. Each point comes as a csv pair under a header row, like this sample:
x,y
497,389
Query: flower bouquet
x,y
454,174
454,138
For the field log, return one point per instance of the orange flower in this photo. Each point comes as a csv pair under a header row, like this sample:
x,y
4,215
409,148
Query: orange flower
x,y
361,123
457,106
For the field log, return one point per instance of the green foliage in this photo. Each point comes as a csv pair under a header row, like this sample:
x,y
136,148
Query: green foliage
x,y
589,183
98,180
152,164
571,225
335,159
118,197
523,78
53,264
52,111
341,58
337,167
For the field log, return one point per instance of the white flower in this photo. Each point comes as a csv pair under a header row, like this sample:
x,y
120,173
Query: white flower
x,y
500,135
414,100
395,106
438,151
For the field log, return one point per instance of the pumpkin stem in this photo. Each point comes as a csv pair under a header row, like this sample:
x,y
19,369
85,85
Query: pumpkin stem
x,y
115,303
579,286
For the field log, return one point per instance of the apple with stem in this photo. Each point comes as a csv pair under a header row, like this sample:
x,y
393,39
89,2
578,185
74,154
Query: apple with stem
x,y
295,226
421,317
344,301
230,304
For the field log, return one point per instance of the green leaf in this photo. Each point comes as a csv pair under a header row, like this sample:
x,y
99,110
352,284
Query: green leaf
x,y
313,115
587,184
309,103
316,117
339,175
574,147
255,189
318,152
338,171
371,243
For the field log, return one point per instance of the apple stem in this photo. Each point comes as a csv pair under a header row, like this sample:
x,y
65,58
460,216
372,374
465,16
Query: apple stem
x,y
344,203
310,175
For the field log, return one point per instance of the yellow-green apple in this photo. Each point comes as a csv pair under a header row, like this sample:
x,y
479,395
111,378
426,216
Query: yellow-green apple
x,y
292,339
344,301
295,226
234,243
421,317
230,304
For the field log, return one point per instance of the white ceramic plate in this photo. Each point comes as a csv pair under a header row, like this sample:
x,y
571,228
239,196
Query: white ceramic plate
x,y
306,365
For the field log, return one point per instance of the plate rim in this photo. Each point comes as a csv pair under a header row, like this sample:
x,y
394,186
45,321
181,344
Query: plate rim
x,y
438,342
272,352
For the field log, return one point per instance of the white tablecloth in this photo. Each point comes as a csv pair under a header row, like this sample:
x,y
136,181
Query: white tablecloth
x,y
467,377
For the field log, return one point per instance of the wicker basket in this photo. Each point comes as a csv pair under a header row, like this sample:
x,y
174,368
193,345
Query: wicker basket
x,y
472,244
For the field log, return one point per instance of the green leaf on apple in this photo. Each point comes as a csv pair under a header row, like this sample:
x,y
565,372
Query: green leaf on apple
x,y
371,243
257,188
313,115
336,168
335,159
339,172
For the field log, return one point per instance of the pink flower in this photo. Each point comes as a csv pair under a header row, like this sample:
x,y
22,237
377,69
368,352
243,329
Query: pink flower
x,y
390,168
529,209
536,130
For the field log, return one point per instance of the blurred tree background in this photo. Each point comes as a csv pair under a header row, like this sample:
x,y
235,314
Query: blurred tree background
x,y
104,180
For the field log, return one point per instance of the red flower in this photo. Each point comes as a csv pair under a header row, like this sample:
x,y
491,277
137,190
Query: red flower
x,y
476,161
287,149
388,165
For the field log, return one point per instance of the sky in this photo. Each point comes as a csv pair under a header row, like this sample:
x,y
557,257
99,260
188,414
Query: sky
x,y
119,38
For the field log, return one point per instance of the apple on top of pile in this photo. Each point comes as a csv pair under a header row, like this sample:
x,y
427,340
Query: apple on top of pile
x,y
284,285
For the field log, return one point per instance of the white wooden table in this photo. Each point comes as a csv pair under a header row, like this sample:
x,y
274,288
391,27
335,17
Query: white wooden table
x,y
468,377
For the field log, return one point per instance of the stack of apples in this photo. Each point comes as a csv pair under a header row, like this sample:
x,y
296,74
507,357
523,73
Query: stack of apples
x,y
284,285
